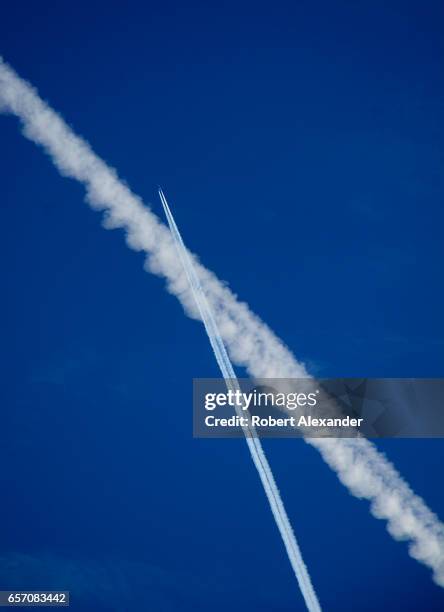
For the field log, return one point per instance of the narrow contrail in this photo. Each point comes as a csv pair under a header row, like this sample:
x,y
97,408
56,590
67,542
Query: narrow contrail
x,y
250,343
254,445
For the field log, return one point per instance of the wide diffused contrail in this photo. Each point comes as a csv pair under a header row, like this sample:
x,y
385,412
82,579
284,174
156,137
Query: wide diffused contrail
x,y
250,343
254,445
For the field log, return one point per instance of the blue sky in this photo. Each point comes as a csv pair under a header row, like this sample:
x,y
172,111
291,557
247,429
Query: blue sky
x,y
300,145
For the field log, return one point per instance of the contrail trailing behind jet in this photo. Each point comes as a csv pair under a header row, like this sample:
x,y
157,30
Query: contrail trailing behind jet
x,y
254,445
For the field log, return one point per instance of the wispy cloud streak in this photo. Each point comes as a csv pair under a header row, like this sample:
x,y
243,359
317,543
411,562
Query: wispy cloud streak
x,y
250,343
254,446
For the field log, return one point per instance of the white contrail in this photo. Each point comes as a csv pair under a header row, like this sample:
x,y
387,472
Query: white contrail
x,y
250,343
254,445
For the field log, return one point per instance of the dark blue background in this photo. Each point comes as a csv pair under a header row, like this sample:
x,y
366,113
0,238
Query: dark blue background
x,y
301,147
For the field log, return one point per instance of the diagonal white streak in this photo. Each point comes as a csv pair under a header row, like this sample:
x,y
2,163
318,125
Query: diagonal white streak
x,y
254,445
250,343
